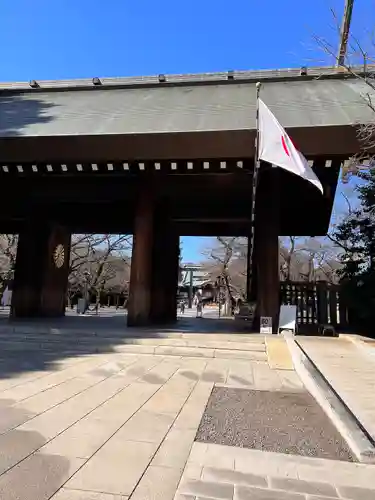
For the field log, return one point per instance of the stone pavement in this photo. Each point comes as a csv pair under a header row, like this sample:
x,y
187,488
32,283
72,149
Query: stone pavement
x,y
229,473
76,424
112,415
350,370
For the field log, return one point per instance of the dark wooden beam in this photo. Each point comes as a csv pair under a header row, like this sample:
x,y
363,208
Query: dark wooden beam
x,y
327,140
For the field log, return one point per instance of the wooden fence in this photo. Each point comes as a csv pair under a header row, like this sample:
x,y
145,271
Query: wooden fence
x,y
317,303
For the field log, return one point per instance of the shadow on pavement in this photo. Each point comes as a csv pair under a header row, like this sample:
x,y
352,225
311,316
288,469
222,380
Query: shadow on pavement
x,y
29,345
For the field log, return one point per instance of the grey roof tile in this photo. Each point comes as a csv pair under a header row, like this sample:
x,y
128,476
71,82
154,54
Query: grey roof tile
x,y
144,109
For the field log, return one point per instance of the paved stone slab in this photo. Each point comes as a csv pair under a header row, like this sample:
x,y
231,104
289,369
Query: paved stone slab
x,y
116,468
207,489
68,494
123,404
290,381
214,376
355,493
234,477
249,493
221,457
158,483
191,414
183,379
166,401
17,445
318,497
310,487
137,349
51,397
175,449
298,474
68,413
11,416
146,426
265,378
197,364
236,354
241,375
185,351
160,373
150,390
193,471
37,478
237,345
32,387
273,421
83,439
22,378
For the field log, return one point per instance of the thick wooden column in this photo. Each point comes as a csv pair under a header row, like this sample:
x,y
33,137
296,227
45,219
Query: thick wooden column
x,y
41,273
267,247
139,303
172,273
164,267
251,273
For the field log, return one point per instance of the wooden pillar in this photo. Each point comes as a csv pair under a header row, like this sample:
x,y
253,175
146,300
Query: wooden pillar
x,y
164,267
41,273
251,273
173,270
139,302
267,247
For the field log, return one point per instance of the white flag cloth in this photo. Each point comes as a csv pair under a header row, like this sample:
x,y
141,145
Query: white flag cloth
x,y
276,147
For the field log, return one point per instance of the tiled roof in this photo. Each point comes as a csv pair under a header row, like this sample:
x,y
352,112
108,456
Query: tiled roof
x,y
186,103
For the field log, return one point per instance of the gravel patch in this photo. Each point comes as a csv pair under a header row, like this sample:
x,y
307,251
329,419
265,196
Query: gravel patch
x,y
284,422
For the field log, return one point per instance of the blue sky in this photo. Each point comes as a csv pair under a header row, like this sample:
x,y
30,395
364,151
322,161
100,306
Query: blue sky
x,y
55,39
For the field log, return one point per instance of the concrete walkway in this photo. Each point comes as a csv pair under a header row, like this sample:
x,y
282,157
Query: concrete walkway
x,y
115,424
94,414
350,370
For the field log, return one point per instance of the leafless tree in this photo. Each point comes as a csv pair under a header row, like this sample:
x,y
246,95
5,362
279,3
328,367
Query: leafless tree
x,y
99,263
227,263
288,258
102,261
8,252
358,62
301,259
308,259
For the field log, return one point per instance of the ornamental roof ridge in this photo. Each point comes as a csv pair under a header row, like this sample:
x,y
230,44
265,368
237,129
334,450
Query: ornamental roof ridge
x,y
224,77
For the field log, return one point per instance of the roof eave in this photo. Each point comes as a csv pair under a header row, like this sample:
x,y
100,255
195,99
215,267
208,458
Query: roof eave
x,y
236,77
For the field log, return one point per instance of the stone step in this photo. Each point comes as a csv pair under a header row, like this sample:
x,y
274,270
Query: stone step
x,y
204,352
223,472
223,484
191,345
176,342
162,350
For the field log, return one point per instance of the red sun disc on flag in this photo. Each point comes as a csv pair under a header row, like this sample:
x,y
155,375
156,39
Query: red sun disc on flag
x,y
285,147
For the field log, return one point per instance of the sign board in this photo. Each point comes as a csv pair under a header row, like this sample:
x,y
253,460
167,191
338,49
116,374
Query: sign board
x,y
288,318
265,324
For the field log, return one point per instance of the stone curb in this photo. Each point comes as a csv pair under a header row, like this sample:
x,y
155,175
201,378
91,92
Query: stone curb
x,y
344,420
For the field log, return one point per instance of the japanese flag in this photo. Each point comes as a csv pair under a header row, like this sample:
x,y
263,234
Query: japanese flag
x,y
276,147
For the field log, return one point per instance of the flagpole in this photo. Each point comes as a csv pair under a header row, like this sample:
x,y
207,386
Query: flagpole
x,y
251,293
